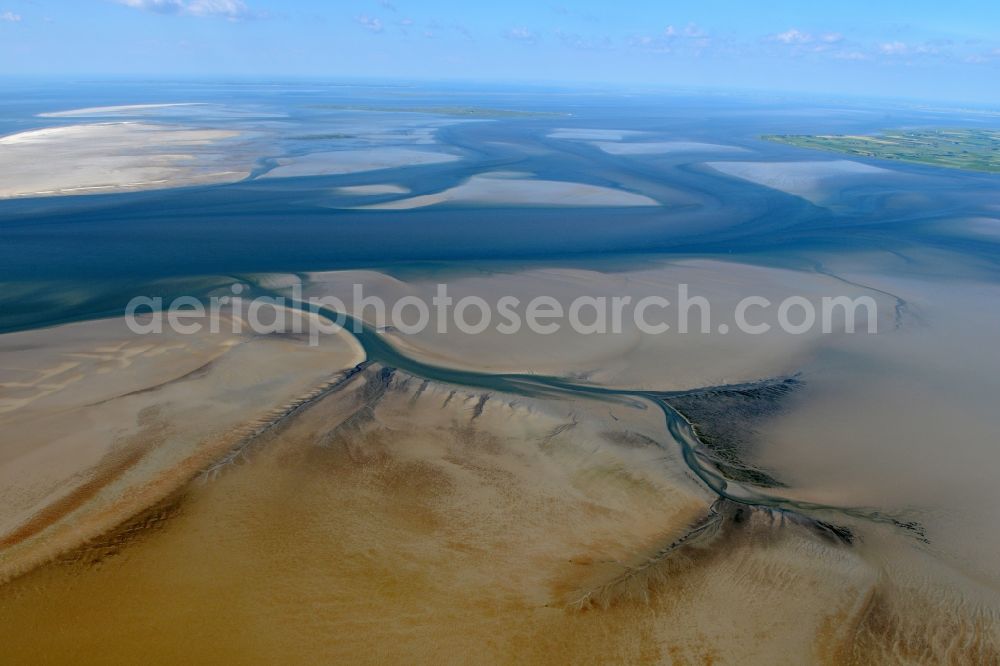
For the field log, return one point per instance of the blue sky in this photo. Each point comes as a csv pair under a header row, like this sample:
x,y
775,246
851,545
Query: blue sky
x,y
921,49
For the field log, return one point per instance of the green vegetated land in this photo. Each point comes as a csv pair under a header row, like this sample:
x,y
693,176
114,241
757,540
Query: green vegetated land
x,y
464,111
972,149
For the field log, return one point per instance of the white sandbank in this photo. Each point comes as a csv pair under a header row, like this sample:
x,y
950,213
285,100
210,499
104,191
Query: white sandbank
x,y
335,162
513,190
124,109
372,190
663,147
592,134
987,228
109,157
812,180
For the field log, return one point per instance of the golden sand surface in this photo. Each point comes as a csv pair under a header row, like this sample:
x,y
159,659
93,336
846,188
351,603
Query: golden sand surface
x,y
252,499
98,423
397,520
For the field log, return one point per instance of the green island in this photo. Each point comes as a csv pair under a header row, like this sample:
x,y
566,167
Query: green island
x,y
971,149
463,111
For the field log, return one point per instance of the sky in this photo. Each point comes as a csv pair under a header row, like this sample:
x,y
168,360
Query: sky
x,y
920,49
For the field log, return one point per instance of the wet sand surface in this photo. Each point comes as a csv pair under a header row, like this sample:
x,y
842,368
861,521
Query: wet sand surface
x,y
390,516
630,358
404,520
401,519
99,423
700,498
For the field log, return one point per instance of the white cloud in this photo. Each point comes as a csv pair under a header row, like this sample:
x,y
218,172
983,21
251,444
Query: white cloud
x,y
690,40
937,49
850,55
650,44
802,42
799,43
158,6
694,32
584,43
690,31
10,17
233,10
793,36
928,49
980,58
370,23
894,48
521,34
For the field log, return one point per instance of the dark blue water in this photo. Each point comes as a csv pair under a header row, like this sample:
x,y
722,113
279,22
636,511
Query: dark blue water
x,y
103,249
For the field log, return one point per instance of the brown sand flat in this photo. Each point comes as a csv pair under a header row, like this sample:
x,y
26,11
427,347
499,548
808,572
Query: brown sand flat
x,y
630,359
235,499
98,423
389,522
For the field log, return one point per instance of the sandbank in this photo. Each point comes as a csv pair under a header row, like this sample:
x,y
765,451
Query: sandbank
x,y
337,162
111,157
593,134
663,147
812,180
514,190
372,190
123,109
671,360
